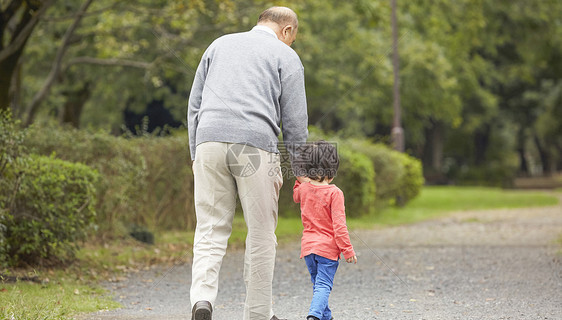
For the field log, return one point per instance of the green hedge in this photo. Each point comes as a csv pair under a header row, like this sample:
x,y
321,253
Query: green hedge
x,y
48,206
167,201
412,181
120,164
356,178
145,181
399,176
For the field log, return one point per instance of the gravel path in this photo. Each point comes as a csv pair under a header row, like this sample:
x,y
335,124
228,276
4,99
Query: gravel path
x,y
493,264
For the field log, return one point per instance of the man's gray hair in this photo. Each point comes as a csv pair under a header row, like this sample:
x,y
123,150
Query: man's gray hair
x,y
281,15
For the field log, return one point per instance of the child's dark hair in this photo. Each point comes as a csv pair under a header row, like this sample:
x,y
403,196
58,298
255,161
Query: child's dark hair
x,y
318,160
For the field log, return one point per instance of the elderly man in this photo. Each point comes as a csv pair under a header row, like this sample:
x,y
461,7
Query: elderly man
x,y
249,87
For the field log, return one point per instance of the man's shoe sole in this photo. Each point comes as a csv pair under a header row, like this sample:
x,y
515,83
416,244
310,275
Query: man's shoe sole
x,y
202,314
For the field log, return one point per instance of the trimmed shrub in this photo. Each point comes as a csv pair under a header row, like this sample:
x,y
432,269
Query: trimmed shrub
x,y
356,178
388,167
49,205
399,176
167,201
11,152
145,181
411,181
11,140
121,166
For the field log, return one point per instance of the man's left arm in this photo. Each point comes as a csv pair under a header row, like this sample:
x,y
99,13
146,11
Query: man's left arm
x,y
194,103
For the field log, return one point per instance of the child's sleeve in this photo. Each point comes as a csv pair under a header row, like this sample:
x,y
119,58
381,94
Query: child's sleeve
x,y
341,233
296,193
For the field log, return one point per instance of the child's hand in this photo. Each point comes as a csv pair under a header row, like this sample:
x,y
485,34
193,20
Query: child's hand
x,y
352,259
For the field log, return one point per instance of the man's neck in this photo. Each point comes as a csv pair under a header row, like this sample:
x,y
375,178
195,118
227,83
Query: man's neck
x,y
269,26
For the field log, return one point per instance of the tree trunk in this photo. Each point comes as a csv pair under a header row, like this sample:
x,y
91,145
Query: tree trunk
x,y
56,67
8,66
72,109
481,144
437,141
432,157
545,156
397,133
12,49
15,90
523,165
558,165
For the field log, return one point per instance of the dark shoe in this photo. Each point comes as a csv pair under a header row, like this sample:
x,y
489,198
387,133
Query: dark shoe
x,y
312,318
202,310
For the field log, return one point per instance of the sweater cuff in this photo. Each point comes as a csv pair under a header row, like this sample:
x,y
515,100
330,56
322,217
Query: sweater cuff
x,y
349,254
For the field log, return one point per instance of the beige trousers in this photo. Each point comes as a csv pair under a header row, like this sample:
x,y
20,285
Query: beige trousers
x,y
222,171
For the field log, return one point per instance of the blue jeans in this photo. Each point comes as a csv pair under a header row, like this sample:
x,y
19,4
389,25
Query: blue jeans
x,y
322,272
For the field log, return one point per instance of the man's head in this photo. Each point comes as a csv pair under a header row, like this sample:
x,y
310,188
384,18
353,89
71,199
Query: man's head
x,y
283,21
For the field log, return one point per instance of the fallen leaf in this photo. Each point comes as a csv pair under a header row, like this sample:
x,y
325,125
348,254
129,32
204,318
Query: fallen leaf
x,y
148,308
76,292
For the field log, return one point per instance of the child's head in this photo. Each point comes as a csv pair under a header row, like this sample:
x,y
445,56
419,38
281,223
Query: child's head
x,y
319,160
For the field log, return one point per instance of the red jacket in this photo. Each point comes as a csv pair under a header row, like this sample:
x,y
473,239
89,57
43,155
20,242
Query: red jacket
x,y
323,218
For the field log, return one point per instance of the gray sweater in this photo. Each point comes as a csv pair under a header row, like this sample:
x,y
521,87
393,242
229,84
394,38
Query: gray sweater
x,y
248,88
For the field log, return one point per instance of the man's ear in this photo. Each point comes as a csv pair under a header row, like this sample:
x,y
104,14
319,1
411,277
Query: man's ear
x,y
287,30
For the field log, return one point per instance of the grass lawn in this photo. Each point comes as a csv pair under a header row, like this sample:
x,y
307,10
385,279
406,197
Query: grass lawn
x,y
438,201
59,300
75,289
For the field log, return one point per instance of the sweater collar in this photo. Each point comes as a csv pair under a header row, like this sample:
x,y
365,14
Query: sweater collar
x,y
266,29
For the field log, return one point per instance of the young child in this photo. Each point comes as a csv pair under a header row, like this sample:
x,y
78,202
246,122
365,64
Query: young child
x,y
325,236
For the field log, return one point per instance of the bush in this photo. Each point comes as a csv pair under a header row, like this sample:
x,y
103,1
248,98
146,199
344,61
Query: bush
x,y
356,178
49,205
387,166
411,181
493,174
167,202
399,176
121,166
3,243
11,152
145,181
11,140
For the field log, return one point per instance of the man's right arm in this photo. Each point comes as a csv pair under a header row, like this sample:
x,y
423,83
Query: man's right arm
x,y
294,116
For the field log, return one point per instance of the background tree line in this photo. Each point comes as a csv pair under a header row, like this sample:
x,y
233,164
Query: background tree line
x,y
481,80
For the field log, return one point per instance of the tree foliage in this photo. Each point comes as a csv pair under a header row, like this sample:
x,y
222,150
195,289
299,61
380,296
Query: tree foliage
x,y
480,80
